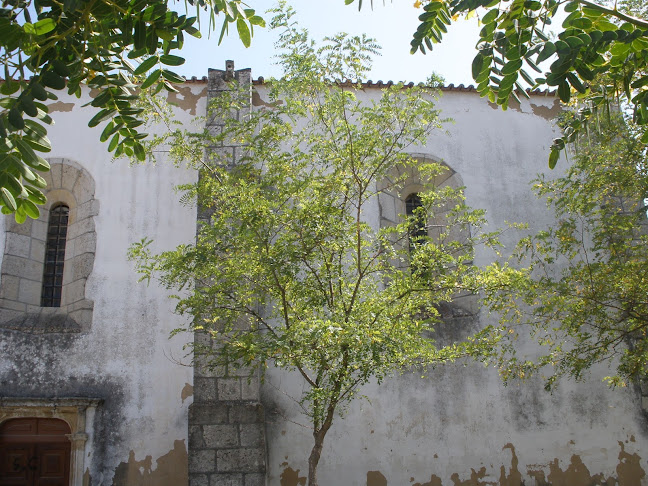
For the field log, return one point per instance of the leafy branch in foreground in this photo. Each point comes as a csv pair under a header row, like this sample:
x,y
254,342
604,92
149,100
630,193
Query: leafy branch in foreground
x,y
595,40
109,45
585,296
290,271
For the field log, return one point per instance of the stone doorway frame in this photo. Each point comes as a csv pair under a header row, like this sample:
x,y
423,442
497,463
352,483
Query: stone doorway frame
x,y
78,413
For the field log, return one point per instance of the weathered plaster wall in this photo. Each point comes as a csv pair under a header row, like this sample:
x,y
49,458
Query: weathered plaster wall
x,y
460,425
126,357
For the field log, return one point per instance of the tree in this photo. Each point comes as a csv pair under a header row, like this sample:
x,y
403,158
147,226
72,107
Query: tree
x,y
584,293
595,40
289,271
106,44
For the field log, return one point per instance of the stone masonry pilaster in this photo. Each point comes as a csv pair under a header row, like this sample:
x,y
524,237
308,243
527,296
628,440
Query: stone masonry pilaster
x,y
226,420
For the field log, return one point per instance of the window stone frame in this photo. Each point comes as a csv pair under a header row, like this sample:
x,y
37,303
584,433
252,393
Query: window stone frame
x,y
70,184
392,193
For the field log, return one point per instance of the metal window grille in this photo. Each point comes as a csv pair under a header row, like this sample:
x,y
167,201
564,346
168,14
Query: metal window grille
x,y
417,231
54,256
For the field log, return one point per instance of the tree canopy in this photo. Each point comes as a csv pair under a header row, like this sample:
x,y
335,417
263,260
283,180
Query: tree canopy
x,y
109,45
595,41
584,291
289,271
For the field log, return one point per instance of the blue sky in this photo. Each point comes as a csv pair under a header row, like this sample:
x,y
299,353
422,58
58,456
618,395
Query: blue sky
x,y
391,23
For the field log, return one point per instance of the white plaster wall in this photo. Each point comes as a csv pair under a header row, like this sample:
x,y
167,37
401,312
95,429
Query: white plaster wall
x,y
126,358
461,419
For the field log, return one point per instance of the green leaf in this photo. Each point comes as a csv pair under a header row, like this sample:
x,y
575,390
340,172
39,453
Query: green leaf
x,y
113,143
15,118
548,51
53,80
553,158
172,77
30,209
9,87
512,66
103,115
44,26
152,78
243,32
8,199
146,65
170,60
564,92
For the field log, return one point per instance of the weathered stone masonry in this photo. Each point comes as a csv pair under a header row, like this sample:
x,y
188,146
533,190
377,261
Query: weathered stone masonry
x,y
226,419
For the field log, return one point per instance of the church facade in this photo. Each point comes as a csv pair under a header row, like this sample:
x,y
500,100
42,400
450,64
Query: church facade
x,y
93,391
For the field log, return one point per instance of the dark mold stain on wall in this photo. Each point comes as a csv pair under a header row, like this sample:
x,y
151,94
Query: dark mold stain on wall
x,y
40,368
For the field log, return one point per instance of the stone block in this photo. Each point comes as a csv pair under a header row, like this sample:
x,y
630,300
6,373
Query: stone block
x,y
37,250
19,229
82,265
240,460
196,440
203,368
207,413
29,291
83,190
56,170
18,245
80,227
252,435
250,389
226,480
202,461
22,267
87,209
73,291
13,305
69,176
198,480
229,388
246,413
255,479
9,287
39,229
86,243
83,317
205,389
220,436
644,403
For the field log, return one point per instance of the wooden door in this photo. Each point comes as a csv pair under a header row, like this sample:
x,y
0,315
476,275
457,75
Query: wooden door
x,y
34,452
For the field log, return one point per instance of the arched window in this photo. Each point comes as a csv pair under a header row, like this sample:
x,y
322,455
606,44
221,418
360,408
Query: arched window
x,y
418,229
47,261
55,256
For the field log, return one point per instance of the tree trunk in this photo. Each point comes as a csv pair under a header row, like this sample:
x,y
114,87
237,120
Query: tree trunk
x,y
313,459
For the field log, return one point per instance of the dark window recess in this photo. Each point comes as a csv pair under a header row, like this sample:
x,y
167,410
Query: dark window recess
x,y
418,231
55,256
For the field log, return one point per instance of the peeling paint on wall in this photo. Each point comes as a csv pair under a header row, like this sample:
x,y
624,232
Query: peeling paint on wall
x,y
171,469
258,101
60,106
376,478
186,392
434,481
547,113
185,99
475,478
290,477
629,473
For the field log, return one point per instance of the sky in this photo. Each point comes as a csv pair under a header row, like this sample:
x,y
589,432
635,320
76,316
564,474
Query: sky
x,y
391,24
